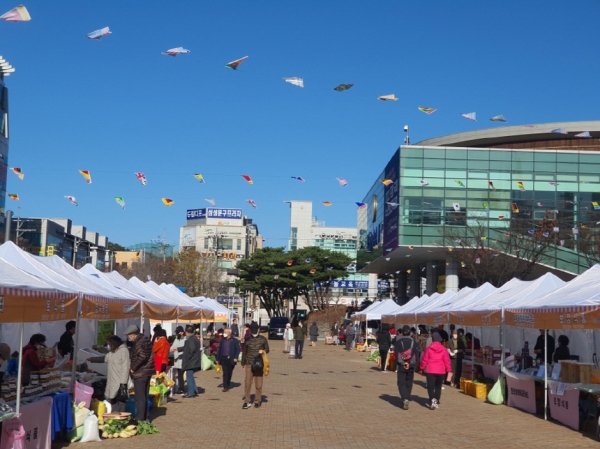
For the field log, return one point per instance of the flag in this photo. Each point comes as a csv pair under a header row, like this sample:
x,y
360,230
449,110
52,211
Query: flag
x,y
199,177
521,186
387,182
17,171
423,182
499,118
456,207
596,205
211,201
342,182
13,196
290,263
427,110
313,271
307,260
295,80
491,184
515,208
167,201
361,205
460,183
470,116
326,203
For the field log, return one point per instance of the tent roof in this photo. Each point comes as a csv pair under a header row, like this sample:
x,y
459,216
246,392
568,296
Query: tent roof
x,y
436,301
13,277
215,306
386,307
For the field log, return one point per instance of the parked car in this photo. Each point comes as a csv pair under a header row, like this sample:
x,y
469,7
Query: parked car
x,y
277,326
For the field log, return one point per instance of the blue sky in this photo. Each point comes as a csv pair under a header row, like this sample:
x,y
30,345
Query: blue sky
x,y
118,106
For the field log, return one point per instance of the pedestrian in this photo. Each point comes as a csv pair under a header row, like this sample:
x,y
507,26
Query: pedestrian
x,y
542,350
437,363
461,350
235,329
215,341
177,350
227,356
117,377
299,336
314,334
66,345
349,335
288,337
160,348
342,335
156,332
453,352
141,369
191,361
247,332
384,341
253,346
562,352
406,360
443,333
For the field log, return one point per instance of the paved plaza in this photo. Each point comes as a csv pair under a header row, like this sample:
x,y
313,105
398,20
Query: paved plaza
x,y
335,399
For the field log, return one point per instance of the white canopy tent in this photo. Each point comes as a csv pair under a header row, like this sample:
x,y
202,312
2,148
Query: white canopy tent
x,y
376,310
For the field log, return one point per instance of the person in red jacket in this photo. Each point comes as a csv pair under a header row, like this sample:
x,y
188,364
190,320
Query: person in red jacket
x,y
161,348
31,361
436,363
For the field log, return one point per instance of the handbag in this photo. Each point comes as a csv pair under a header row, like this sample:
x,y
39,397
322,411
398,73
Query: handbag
x,y
258,364
122,393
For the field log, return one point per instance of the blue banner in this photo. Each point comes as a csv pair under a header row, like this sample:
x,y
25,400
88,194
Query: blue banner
x,y
213,212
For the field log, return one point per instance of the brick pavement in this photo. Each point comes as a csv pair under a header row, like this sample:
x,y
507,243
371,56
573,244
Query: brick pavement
x,y
335,399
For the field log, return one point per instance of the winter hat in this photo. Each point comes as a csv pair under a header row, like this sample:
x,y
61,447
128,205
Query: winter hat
x,y
405,329
436,337
132,329
254,328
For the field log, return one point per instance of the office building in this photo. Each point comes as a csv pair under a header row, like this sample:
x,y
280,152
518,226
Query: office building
x,y
5,70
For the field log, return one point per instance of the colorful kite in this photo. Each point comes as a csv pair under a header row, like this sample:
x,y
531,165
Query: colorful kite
x,y
167,201
553,183
515,208
248,179
390,97
460,183
539,204
298,178
361,205
307,260
596,205
13,196
555,229
120,201
199,177
18,14
486,206
387,182
251,203
290,263
456,207
87,176
72,200
585,134
295,80
500,217
546,234
176,51
294,273
211,201
343,87
427,110
491,184
470,116
142,178
521,186
499,118
18,172
235,64
313,271
559,131
99,34
342,182
326,203
276,276
393,204
423,183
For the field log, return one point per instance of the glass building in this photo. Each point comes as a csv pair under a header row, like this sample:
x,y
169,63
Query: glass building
x,y
5,70
536,175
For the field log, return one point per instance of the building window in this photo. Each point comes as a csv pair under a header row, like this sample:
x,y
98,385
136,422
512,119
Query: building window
x,y
226,244
206,243
239,244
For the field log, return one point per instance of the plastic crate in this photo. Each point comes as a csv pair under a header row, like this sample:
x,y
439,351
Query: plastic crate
x,y
478,391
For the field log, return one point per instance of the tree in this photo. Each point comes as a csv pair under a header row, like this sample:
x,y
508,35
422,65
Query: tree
x,y
153,268
498,255
116,247
193,271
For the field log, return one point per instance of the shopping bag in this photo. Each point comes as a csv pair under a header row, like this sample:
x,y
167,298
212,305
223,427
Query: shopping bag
x,y
266,366
14,434
98,407
258,365
80,413
206,363
496,394
218,369
90,429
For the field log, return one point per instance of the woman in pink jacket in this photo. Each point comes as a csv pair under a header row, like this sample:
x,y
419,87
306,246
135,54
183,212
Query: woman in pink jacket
x,y
436,363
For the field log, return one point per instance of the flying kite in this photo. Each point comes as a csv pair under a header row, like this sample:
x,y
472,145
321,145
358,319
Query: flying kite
x,y
342,182
499,118
393,204
176,51
470,116
142,178
251,203
361,205
515,208
491,184
87,176
235,64
72,200
298,178
390,97
559,131
326,203
313,271
290,263
456,207
387,182
307,260
521,186
17,171
120,201
99,34
423,183
427,110
18,14
211,201
343,87
460,183
248,178
584,134
486,206
167,201
295,80
13,196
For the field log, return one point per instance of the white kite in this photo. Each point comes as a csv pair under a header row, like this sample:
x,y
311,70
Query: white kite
x,y
18,14
499,118
390,97
176,51
72,200
470,116
99,34
585,134
295,80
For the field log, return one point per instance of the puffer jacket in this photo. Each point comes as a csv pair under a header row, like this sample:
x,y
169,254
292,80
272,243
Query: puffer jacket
x,y
251,347
142,358
436,359
300,333
118,369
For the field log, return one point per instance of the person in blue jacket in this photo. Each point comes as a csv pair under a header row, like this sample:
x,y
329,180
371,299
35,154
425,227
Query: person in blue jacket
x,y
227,357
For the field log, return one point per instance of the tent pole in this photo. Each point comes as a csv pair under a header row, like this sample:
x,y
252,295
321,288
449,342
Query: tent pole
x,y
545,374
20,370
502,330
76,343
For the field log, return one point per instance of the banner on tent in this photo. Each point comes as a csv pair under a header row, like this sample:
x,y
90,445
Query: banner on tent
x,y
401,319
480,318
16,308
559,318
432,319
160,312
95,308
190,314
105,330
565,408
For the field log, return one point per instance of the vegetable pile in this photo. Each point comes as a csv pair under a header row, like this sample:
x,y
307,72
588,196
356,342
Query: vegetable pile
x,y
123,428
373,356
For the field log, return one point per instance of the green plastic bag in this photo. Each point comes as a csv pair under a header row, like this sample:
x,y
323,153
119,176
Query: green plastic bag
x,y
496,394
206,363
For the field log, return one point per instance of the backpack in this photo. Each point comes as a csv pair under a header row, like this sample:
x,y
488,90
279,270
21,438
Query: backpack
x,y
408,355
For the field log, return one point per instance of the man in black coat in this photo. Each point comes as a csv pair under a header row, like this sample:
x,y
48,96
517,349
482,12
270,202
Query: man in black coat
x,y
235,329
141,369
191,361
227,356
66,345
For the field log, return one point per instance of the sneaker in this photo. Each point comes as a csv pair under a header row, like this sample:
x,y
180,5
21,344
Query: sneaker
x,y
246,405
434,404
257,405
405,404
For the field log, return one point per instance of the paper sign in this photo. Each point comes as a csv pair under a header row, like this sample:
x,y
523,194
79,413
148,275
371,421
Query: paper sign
x,y
521,394
556,371
560,391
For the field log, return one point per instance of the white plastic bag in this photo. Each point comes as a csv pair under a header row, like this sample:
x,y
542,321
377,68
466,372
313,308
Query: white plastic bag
x,y
80,414
90,429
108,407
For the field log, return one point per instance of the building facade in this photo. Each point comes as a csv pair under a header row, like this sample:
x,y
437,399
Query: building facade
x,y
536,174
5,70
